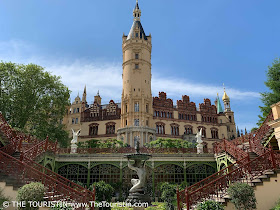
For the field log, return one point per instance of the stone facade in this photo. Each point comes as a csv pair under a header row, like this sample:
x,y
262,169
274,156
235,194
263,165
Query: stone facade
x,y
142,116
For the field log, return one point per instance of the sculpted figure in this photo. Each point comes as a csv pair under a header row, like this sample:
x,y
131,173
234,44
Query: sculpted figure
x,y
139,167
198,137
199,142
75,136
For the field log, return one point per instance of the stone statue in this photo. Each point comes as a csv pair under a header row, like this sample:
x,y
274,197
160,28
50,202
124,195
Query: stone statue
x,y
198,136
199,142
75,136
74,141
139,167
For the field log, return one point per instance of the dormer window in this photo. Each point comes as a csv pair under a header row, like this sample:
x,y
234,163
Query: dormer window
x,y
136,35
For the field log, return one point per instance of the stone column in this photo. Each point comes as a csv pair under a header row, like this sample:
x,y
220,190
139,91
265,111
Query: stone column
x,y
146,140
141,138
118,136
131,139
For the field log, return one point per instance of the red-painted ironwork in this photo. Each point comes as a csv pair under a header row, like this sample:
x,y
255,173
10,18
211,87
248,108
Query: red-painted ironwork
x,y
242,139
230,148
26,170
40,148
243,170
124,150
58,188
256,140
218,186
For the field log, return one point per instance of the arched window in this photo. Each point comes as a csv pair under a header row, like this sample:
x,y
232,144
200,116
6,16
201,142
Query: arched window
x,y
188,129
136,107
160,128
93,129
214,133
174,129
110,127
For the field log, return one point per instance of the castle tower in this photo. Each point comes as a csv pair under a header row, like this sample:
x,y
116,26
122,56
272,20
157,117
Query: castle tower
x,y
226,101
97,98
136,105
230,115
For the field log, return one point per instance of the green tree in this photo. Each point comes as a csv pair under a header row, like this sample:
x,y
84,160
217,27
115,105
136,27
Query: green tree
x,y
273,84
33,100
242,196
104,191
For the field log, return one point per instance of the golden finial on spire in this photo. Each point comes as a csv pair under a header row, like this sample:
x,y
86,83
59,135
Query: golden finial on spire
x,y
225,96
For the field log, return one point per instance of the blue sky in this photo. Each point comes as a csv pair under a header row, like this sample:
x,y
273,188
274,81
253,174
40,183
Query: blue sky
x,y
197,45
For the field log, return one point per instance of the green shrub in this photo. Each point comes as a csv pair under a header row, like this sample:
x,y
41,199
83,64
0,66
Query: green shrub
x,y
168,192
31,192
104,191
243,196
170,143
210,205
183,185
96,143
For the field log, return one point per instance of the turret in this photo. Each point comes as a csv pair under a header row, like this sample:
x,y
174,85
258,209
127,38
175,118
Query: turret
x,y
97,98
136,106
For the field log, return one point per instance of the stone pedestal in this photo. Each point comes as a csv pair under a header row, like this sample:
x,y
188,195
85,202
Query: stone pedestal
x,y
138,197
199,149
73,148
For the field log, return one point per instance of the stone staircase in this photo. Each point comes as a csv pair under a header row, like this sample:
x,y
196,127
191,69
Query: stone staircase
x,y
252,163
17,167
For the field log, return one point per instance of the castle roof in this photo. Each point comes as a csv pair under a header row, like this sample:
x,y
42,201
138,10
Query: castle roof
x,y
136,25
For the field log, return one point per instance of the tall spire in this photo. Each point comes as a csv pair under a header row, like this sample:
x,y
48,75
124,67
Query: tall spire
x,y
137,12
136,30
219,106
84,94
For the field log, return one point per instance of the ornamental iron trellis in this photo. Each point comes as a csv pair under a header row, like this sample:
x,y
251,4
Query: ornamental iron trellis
x,y
244,170
26,170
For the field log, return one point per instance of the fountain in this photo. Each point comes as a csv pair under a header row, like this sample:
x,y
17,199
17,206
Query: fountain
x,y
137,193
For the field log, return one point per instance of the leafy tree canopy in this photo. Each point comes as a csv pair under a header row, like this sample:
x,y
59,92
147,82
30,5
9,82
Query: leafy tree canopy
x,y
33,100
273,84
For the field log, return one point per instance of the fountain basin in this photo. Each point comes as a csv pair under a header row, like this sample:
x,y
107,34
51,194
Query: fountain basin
x,y
138,156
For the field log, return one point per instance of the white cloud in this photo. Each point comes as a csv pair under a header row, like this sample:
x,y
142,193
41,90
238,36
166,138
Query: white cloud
x,y
176,87
107,77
